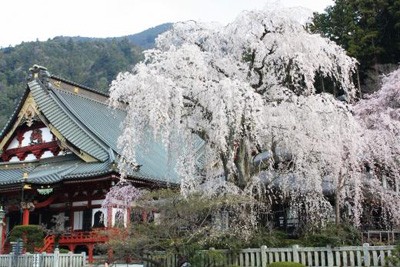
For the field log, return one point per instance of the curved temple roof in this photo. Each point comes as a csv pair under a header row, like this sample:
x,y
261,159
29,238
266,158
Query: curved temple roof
x,y
82,121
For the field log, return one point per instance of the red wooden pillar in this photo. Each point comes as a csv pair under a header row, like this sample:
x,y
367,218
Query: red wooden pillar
x,y
25,217
2,235
90,251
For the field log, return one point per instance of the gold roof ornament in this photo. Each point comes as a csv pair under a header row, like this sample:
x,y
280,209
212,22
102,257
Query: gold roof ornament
x,y
26,186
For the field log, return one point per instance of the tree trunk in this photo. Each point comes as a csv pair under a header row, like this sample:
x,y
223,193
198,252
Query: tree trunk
x,y
337,208
243,163
225,166
359,83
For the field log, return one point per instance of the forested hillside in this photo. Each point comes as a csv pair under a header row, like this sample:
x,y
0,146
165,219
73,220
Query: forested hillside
x,y
146,38
93,62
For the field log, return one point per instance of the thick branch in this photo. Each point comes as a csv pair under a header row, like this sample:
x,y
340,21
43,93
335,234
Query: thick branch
x,y
219,69
194,103
259,69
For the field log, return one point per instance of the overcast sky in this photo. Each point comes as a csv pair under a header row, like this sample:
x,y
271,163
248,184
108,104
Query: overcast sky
x,y
28,20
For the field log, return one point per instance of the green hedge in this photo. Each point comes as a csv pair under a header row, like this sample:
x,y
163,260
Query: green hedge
x,y
286,264
31,235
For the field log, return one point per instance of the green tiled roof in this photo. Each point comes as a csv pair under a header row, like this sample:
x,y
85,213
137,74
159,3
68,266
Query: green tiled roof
x,y
61,168
63,120
104,123
51,170
58,169
101,120
13,176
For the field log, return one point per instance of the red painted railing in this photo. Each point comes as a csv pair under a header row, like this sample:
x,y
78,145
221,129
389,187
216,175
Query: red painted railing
x,y
83,237
48,244
73,239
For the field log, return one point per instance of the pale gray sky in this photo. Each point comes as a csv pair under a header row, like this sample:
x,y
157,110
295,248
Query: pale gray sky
x,y
28,20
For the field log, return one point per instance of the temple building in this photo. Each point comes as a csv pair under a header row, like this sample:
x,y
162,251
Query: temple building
x,y
59,155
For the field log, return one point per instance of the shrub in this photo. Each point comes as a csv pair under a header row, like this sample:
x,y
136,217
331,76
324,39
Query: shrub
x,y
394,258
286,264
260,237
32,236
321,240
64,251
333,235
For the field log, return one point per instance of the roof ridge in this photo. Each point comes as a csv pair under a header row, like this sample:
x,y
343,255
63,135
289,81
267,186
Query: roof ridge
x,y
80,95
88,98
36,162
79,85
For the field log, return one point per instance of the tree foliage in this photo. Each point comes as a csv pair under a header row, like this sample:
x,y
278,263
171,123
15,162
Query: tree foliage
x,y
379,114
31,235
367,29
121,195
194,228
394,258
57,228
178,226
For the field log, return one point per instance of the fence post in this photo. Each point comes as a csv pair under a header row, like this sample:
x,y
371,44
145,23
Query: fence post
x,y
264,256
36,260
367,258
56,257
295,249
10,262
330,255
83,258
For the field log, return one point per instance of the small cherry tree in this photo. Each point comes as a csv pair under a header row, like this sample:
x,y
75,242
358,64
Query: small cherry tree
x,y
122,195
379,114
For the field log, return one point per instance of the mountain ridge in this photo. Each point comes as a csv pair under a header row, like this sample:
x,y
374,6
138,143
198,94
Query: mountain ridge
x,y
145,39
93,62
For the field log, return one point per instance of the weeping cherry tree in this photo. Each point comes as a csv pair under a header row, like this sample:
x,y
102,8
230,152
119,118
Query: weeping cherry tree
x,y
248,91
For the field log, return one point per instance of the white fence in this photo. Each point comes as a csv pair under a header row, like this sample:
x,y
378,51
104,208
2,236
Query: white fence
x,y
363,256
43,260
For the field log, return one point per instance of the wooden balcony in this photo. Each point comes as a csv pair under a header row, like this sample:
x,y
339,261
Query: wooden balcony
x,y
74,239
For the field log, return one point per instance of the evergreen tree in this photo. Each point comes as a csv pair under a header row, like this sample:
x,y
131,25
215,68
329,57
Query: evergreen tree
x,y
367,29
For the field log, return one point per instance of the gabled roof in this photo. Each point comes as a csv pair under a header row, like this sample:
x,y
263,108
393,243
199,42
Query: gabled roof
x,y
82,121
57,113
